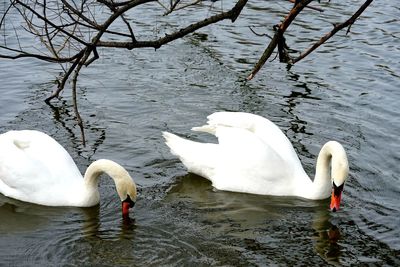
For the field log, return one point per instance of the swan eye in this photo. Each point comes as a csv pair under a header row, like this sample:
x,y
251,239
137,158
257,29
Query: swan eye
x,y
337,190
129,201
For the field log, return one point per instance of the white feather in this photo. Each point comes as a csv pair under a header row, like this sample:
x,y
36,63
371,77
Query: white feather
x,y
35,168
254,156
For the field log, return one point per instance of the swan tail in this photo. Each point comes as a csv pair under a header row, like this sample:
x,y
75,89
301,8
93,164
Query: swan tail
x,y
17,138
223,119
228,119
198,158
21,144
205,128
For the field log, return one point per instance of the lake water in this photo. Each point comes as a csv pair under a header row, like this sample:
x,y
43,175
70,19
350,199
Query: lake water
x,y
348,91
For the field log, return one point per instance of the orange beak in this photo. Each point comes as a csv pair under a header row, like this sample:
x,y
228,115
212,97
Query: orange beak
x,y
125,209
335,201
126,205
336,197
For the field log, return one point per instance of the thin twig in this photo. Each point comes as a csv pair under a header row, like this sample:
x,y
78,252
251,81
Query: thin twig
x,y
80,15
188,5
337,27
50,23
75,104
310,7
5,13
259,34
61,85
231,14
23,54
278,36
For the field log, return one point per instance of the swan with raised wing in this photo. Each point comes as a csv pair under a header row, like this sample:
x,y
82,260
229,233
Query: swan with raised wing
x,y
35,168
254,156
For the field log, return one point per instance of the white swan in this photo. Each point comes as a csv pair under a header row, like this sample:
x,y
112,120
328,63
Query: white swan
x,y
254,156
35,168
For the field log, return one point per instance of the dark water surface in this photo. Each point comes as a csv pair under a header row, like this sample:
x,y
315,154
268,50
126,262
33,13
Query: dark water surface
x,y
347,91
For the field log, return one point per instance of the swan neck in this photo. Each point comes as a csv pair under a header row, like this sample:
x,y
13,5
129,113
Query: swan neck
x,y
120,176
322,172
329,153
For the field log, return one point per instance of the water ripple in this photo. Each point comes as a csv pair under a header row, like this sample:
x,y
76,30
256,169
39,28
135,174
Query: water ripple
x,y
347,90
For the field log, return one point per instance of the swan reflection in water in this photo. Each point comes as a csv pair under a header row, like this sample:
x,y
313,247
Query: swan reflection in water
x,y
266,226
327,237
263,223
23,217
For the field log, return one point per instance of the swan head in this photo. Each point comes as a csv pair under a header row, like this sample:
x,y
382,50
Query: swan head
x,y
339,173
124,184
336,196
126,189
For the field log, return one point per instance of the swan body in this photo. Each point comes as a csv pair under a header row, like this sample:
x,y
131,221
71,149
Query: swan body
x,y
254,156
35,168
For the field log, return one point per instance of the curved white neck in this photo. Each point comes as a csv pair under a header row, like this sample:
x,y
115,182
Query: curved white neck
x,y
112,169
331,162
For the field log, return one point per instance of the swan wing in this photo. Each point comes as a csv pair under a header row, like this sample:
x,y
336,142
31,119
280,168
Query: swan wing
x,y
198,158
264,129
240,162
247,164
252,155
33,165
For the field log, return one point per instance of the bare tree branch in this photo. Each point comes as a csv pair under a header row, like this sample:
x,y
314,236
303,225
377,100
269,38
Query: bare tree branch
x,y
70,32
80,14
279,40
310,7
65,78
75,103
297,8
231,14
23,54
336,28
50,23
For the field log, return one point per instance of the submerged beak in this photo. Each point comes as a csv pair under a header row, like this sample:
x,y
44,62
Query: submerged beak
x,y
126,205
335,202
336,197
